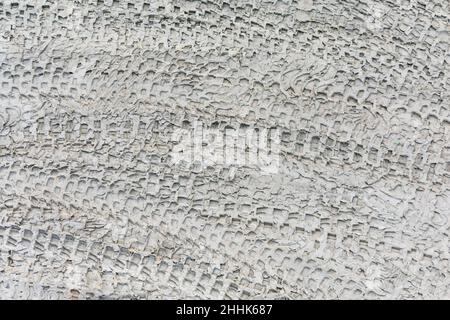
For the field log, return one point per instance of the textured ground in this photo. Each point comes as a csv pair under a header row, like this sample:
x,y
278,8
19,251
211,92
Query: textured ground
x,y
91,93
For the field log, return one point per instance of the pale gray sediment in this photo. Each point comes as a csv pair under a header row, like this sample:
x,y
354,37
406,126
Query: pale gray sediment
x,y
93,95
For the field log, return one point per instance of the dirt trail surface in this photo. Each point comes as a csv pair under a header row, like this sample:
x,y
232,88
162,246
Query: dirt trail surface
x,y
117,179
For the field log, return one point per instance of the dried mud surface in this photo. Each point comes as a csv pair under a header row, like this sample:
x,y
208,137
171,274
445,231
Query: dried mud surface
x,y
91,206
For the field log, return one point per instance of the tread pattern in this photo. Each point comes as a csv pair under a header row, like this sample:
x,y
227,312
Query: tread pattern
x,y
92,93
